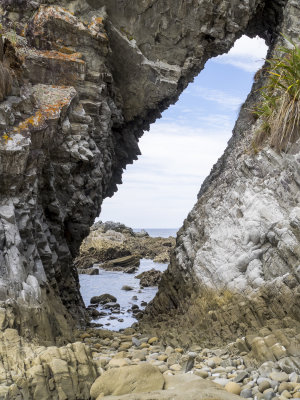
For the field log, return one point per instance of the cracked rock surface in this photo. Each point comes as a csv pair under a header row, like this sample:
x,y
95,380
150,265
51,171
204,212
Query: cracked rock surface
x,y
85,80
235,268
80,81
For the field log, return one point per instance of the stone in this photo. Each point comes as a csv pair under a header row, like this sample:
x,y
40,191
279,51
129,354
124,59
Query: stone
x,y
185,386
85,83
285,386
162,357
264,385
153,340
149,278
125,346
179,350
202,373
136,342
169,350
286,394
103,299
127,288
246,393
269,395
131,379
89,271
293,377
117,362
233,387
139,354
175,367
241,376
211,363
120,264
221,381
279,376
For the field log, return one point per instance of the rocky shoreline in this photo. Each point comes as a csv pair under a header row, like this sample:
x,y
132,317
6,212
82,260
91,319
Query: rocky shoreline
x,y
80,81
114,246
131,365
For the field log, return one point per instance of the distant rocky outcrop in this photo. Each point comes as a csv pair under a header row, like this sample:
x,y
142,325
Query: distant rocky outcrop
x,y
114,246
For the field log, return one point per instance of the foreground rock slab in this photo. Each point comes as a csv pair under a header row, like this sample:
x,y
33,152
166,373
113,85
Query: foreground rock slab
x,y
132,379
179,387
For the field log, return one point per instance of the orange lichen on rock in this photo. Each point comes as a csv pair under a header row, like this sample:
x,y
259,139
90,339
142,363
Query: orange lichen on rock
x,y
54,12
76,57
48,111
46,14
97,29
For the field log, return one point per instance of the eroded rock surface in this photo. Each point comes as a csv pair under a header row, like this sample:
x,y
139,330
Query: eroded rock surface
x,y
116,246
28,371
79,86
236,265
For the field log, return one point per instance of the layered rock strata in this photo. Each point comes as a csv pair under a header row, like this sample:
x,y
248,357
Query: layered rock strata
x,y
84,82
235,269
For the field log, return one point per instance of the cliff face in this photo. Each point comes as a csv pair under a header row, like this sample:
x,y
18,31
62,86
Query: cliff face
x,y
235,271
82,80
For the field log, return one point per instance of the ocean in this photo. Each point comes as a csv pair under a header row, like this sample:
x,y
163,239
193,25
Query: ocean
x,y
111,282
159,232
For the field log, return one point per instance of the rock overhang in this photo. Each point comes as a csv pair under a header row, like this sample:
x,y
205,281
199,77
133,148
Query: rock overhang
x,y
126,62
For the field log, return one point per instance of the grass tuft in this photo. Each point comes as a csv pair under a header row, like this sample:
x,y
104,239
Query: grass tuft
x,y
279,107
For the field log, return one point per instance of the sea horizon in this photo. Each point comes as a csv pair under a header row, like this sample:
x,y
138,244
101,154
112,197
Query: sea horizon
x,y
159,232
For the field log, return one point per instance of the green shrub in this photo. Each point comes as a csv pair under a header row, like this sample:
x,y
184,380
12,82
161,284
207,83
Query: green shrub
x,y
279,107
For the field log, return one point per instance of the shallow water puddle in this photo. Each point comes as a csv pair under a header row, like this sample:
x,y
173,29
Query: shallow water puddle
x,y
112,283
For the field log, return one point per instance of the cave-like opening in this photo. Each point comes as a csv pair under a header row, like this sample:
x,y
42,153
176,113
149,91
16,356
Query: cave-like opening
x,y
178,153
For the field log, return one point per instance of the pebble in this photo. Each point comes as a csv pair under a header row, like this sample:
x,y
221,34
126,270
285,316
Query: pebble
x,y
169,350
162,357
153,340
233,387
269,395
263,385
117,362
285,386
226,369
279,376
246,393
136,342
202,373
127,288
286,394
179,350
176,367
221,381
293,377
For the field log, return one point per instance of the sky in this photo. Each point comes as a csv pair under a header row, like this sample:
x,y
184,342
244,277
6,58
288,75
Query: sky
x,y
178,152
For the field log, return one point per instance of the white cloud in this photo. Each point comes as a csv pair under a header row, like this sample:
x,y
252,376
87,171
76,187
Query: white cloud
x,y
179,151
218,96
247,54
163,189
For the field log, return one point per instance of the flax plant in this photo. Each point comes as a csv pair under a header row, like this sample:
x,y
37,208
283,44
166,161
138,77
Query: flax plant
x,y
279,108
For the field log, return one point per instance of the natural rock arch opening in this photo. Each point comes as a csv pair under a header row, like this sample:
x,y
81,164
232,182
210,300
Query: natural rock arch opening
x,y
182,146
126,66
148,196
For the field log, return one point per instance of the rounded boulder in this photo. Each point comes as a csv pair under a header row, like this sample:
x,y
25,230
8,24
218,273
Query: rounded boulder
x,y
132,379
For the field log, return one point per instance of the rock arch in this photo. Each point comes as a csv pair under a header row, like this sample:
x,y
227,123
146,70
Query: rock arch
x,y
91,78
